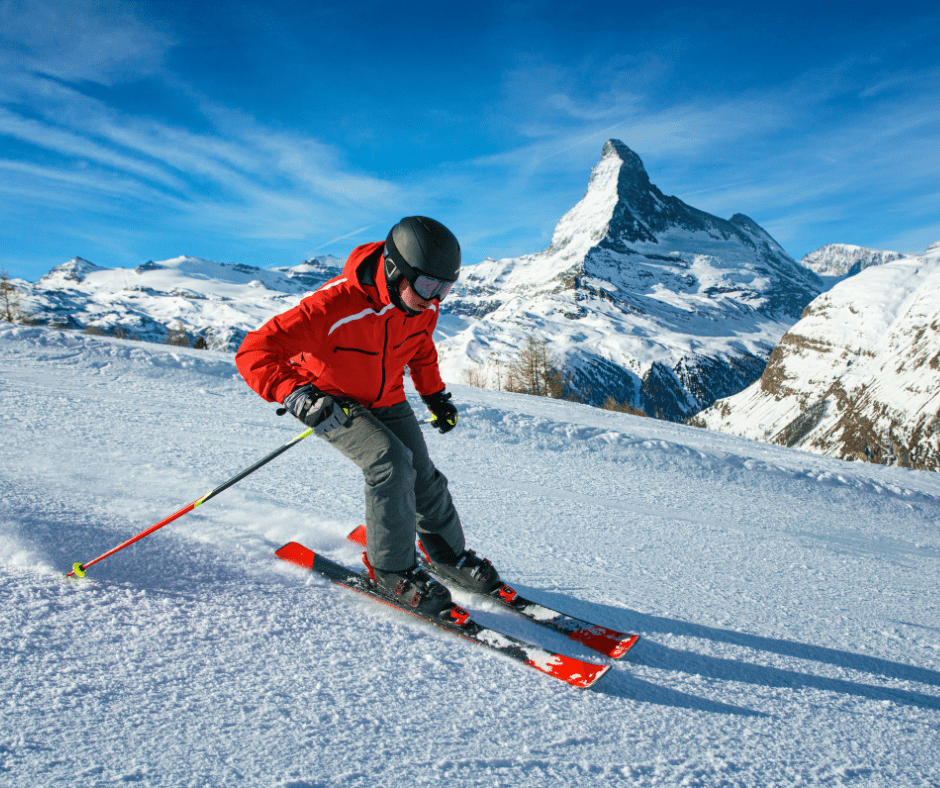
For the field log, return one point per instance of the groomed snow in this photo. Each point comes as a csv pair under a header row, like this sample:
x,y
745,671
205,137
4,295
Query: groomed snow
x,y
788,603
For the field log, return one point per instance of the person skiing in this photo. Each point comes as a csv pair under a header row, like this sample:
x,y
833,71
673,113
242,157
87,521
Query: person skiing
x,y
336,362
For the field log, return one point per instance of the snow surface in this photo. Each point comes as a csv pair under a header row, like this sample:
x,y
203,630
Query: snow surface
x,y
788,603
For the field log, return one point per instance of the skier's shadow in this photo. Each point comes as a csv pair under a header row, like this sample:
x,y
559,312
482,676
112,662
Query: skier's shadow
x,y
649,652
621,684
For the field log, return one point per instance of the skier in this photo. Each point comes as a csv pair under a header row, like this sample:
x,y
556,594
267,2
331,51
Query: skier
x,y
336,362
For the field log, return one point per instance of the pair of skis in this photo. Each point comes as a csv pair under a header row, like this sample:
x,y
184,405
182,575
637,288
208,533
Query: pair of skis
x,y
576,672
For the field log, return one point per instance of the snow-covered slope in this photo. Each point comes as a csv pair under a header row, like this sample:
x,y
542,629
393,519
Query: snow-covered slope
x,y
859,376
834,262
216,301
788,603
661,305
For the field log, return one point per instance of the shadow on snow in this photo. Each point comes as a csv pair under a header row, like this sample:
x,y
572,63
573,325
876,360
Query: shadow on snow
x,y
650,653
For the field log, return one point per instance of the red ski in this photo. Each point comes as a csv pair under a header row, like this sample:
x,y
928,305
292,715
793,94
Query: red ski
x,y
608,642
457,621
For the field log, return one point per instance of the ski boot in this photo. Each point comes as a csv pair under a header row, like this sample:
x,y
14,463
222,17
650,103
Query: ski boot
x,y
468,571
411,588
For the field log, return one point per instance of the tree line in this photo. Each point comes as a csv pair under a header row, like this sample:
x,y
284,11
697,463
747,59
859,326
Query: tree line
x,y
11,311
537,371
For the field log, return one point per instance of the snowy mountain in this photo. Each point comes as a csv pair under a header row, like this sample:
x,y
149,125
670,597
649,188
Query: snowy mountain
x,y
646,299
216,301
663,306
859,376
834,262
786,602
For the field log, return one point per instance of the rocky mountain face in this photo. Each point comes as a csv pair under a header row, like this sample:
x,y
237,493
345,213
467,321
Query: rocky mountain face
x,y
834,262
646,299
858,377
216,302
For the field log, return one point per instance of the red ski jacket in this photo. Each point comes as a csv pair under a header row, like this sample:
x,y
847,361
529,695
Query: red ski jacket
x,y
347,338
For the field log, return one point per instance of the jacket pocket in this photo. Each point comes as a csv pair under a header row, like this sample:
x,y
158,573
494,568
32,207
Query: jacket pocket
x,y
355,350
410,337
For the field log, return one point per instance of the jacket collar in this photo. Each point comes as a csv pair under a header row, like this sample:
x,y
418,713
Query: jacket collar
x,y
371,255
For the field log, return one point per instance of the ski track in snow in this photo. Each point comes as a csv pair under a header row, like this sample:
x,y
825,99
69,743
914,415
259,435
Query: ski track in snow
x,y
788,603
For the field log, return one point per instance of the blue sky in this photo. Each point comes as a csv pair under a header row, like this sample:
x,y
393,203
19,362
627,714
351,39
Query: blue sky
x,y
267,132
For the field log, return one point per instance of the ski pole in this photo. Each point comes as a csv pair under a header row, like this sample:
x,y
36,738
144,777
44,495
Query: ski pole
x,y
78,570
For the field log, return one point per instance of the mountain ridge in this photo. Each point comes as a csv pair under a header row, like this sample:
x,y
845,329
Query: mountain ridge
x,y
217,302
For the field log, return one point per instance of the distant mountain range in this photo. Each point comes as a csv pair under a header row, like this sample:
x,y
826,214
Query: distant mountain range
x,y
218,302
858,377
834,262
646,299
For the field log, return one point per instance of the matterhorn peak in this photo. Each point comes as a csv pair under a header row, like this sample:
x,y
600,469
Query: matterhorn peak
x,y
622,211
631,161
649,301
617,176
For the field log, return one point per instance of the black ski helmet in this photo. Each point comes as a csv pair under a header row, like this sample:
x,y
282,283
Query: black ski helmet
x,y
418,245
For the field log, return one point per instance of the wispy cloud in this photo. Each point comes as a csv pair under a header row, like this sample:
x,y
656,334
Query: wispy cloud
x,y
75,40
339,238
253,180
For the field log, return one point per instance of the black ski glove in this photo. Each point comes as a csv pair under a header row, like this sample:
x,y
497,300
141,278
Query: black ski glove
x,y
445,414
321,411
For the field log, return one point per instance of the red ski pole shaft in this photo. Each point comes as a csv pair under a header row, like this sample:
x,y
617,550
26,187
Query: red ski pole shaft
x,y
78,570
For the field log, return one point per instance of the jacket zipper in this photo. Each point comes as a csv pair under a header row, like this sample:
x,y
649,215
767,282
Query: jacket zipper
x,y
384,350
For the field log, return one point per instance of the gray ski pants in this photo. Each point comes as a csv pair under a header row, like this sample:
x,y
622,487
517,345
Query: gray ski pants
x,y
405,493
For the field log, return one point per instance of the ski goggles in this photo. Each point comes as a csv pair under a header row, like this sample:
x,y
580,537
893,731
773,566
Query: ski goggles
x,y
428,287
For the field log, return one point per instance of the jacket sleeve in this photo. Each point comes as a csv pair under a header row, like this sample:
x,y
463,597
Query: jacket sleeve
x,y
267,358
423,365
